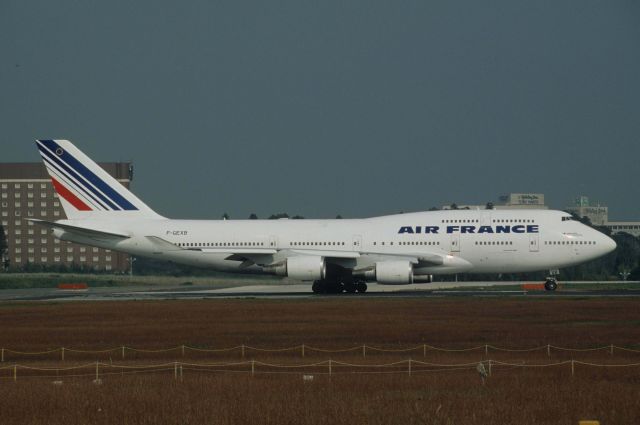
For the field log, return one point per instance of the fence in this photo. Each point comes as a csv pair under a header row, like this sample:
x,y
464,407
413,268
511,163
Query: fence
x,y
304,350
176,369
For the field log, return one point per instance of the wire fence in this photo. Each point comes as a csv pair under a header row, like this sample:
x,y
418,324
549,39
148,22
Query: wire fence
x,y
303,350
176,369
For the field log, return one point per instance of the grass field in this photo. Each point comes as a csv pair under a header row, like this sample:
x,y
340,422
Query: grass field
x,y
511,395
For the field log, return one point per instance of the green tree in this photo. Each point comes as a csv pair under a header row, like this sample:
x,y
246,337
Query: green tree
x,y
277,216
253,216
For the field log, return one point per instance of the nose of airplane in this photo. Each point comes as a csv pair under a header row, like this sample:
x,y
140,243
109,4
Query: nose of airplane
x,y
608,244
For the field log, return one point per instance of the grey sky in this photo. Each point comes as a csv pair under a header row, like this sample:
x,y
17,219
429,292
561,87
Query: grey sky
x,y
317,108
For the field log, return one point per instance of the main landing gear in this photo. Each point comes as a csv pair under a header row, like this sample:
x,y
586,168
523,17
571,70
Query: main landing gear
x,y
336,287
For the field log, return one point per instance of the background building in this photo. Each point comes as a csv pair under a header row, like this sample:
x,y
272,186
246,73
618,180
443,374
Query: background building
x,y
532,201
596,212
599,216
26,192
512,201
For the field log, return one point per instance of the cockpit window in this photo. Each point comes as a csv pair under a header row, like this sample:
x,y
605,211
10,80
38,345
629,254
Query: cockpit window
x,y
567,218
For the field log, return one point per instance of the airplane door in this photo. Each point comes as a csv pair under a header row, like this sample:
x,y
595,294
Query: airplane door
x,y
357,243
534,242
455,243
273,242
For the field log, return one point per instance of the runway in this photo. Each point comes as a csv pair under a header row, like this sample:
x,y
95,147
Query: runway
x,y
301,291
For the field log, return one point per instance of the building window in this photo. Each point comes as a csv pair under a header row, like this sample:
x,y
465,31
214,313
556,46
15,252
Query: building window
x,y
43,250
16,186
30,213
83,249
70,258
18,232
43,240
43,205
4,195
83,258
56,213
69,249
30,231
4,185
43,194
43,185
43,213
94,249
5,205
18,250
56,204
5,213
107,267
18,205
30,195
43,259
30,204
56,249
107,258
95,259
17,213
16,195
18,241
30,241
30,186
17,222
56,259
18,259
31,250
44,232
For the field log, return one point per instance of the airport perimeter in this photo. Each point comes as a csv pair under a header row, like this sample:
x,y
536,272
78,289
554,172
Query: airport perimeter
x,y
451,360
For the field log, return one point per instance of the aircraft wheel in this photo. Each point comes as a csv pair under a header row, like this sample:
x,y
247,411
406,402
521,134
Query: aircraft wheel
x,y
350,288
361,287
319,287
551,284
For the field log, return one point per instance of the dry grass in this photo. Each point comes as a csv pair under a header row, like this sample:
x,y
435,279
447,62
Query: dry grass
x,y
511,395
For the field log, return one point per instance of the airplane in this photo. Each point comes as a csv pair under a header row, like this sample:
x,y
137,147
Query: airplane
x,y
337,256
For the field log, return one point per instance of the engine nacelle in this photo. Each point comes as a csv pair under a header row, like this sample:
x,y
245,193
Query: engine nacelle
x,y
304,267
394,272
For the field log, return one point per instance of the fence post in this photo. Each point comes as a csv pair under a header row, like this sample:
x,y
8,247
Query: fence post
x,y
364,350
175,370
329,367
97,370
572,367
424,350
253,367
62,353
548,350
486,350
123,352
182,350
3,355
15,373
409,367
302,350
611,350
243,351
489,367
181,373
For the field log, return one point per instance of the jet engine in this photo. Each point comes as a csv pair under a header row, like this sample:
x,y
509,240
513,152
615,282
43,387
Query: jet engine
x,y
304,267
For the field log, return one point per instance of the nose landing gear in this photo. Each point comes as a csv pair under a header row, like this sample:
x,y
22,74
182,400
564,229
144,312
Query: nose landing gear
x,y
551,284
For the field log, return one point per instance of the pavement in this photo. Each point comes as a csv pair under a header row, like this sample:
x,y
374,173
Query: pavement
x,y
275,291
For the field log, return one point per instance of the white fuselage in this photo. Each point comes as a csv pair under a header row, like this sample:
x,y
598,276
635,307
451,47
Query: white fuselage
x,y
475,241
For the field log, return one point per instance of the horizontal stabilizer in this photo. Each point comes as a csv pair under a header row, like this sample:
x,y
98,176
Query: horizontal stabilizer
x,y
82,231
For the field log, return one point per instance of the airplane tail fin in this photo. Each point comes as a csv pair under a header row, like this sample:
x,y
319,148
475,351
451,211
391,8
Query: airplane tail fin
x,y
84,188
